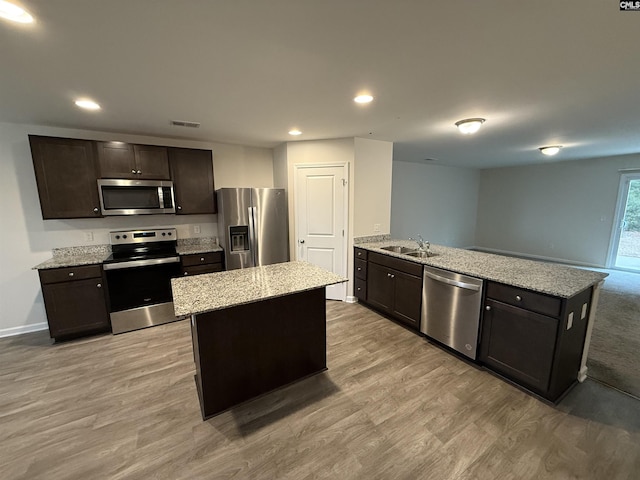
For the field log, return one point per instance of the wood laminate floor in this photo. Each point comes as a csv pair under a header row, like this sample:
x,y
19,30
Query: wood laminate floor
x,y
391,406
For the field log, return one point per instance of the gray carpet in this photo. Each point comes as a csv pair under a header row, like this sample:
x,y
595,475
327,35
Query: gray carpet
x,y
614,355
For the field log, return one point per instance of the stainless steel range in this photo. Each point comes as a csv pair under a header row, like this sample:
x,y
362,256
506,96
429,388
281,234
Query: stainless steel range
x,y
139,273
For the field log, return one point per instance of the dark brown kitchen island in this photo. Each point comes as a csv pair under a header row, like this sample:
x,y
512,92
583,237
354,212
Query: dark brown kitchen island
x,y
254,330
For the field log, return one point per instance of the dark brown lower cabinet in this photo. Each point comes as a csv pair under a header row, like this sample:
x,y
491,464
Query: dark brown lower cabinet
x,y
519,343
198,263
75,302
394,291
533,339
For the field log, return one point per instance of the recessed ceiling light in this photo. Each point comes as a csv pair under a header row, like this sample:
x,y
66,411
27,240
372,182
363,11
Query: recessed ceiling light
x,y
470,125
87,104
14,13
295,132
550,150
363,99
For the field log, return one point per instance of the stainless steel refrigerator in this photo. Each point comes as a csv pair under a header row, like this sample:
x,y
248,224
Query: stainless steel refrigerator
x,y
253,226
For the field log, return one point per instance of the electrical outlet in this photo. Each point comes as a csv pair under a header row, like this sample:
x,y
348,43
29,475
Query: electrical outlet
x,y
376,227
88,236
196,229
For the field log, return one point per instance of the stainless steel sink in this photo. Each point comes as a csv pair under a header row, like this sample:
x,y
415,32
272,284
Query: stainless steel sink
x,y
398,249
420,254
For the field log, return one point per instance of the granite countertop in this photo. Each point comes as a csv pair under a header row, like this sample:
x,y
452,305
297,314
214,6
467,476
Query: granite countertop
x,y
215,291
76,256
553,279
190,246
96,254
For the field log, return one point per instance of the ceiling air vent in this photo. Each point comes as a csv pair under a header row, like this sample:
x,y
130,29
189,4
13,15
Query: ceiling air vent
x,y
182,123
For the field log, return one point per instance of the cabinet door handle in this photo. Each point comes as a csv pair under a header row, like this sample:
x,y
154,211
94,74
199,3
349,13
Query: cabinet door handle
x,y
487,308
179,207
186,273
359,269
202,259
99,285
71,274
133,171
518,298
139,172
96,209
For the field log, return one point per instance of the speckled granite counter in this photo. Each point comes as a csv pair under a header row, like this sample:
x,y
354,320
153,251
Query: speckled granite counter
x,y
75,256
215,291
188,246
558,280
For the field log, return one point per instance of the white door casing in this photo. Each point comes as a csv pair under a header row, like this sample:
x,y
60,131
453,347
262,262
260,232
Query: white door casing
x,y
320,196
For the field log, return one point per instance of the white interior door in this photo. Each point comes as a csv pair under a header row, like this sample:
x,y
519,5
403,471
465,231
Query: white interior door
x,y
321,229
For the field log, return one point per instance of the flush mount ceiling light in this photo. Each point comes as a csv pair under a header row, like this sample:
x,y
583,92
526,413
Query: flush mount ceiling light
x,y
550,150
295,132
470,125
364,98
14,13
87,104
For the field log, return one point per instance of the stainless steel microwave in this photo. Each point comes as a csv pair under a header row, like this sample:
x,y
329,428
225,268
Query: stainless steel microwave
x,y
136,197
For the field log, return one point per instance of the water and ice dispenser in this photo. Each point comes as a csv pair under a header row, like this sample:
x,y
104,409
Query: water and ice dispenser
x,y
239,238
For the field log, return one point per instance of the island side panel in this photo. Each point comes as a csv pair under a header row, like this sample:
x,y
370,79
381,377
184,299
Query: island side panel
x,y
244,351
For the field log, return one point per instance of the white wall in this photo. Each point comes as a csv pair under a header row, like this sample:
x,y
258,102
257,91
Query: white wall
x,y
561,211
372,187
27,240
435,201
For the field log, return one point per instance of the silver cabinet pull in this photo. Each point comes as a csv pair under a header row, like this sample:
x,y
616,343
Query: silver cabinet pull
x,y
518,298
186,273
179,207
133,171
99,285
487,308
96,209
71,274
139,172
202,259
301,241
359,269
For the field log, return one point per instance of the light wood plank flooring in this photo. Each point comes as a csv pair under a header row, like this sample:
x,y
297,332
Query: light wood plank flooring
x,y
391,406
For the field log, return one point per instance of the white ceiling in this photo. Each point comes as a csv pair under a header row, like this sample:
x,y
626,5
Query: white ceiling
x,y
540,71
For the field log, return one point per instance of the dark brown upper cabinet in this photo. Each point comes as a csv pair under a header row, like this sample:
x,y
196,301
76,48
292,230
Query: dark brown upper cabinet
x,y
66,173
126,160
192,175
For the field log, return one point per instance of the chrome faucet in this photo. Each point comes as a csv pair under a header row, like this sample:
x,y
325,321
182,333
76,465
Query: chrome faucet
x,y
421,243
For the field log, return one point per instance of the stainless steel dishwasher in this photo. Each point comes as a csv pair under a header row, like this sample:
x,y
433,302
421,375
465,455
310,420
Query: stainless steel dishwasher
x,y
451,309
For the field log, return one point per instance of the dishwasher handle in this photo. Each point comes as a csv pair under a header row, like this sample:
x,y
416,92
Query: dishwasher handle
x,y
438,278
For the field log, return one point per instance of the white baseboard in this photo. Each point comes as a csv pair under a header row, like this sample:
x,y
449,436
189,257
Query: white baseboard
x,y
34,327
582,374
351,299
535,257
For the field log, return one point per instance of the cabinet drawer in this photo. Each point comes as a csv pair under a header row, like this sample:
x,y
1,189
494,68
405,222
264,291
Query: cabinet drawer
x,y
360,253
361,269
518,297
360,289
404,266
56,275
201,259
200,269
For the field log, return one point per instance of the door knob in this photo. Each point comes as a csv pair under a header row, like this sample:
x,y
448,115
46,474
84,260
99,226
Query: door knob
x,y
301,241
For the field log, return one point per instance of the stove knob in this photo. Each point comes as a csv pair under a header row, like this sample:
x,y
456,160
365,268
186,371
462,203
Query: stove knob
x,y
169,234
117,237
163,234
124,236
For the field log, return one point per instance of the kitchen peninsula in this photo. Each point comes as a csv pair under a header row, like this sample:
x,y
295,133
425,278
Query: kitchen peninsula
x,y
255,329
533,319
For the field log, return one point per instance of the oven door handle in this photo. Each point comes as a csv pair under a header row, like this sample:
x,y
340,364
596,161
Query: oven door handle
x,y
140,263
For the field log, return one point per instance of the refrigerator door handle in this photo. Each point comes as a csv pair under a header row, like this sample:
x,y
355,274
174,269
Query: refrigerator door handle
x,y
253,241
